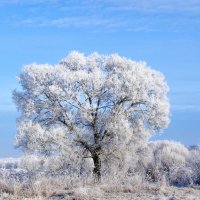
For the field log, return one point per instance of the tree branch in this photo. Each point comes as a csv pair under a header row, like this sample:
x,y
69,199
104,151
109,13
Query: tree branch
x,y
84,144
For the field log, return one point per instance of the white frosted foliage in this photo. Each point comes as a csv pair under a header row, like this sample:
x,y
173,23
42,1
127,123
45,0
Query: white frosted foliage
x,y
94,107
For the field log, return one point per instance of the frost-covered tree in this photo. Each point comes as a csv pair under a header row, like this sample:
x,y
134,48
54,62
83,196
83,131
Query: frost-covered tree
x,y
89,106
168,153
167,158
194,163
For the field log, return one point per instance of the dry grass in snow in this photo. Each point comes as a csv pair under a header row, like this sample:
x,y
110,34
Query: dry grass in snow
x,y
104,192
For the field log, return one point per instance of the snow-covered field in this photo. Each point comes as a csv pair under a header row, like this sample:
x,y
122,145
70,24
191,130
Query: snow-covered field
x,y
118,192
18,183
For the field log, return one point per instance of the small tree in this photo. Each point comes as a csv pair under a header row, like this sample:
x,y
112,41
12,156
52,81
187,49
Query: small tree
x,y
89,106
167,157
193,162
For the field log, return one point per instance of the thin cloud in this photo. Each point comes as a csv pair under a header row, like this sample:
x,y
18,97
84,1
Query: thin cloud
x,y
28,2
157,5
75,22
186,108
145,5
110,15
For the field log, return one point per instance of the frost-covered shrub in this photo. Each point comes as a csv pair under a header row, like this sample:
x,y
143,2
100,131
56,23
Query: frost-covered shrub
x,y
180,176
194,163
56,165
9,163
169,153
141,161
166,155
31,163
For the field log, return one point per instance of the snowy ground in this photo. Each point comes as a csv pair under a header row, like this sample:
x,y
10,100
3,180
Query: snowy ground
x,y
9,169
104,192
131,193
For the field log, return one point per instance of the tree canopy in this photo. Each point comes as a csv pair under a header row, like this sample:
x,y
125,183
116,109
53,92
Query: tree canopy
x,y
91,106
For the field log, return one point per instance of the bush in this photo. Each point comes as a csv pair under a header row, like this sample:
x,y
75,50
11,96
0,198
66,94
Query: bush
x,y
165,155
193,162
180,176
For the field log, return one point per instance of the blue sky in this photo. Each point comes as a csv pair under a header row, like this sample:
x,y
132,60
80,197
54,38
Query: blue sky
x,y
164,33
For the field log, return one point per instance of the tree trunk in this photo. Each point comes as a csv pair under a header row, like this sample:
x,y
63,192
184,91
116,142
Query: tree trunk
x,y
97,167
